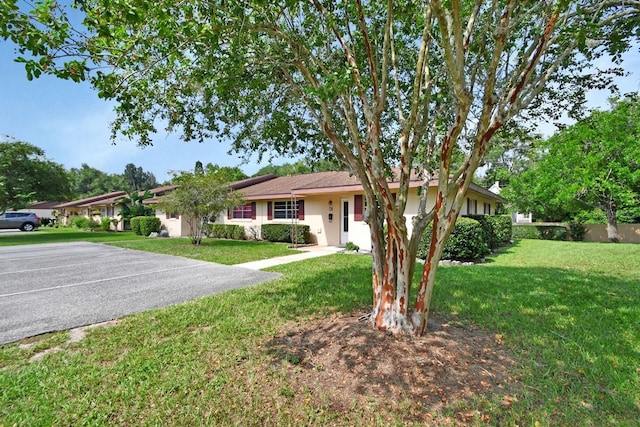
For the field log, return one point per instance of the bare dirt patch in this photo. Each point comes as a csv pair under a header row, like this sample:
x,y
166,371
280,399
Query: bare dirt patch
x,y
432,379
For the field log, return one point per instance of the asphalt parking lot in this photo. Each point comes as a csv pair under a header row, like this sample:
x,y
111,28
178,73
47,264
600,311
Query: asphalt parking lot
x,y
59,286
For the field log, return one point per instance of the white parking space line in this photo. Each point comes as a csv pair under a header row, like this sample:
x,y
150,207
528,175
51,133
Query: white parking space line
x,y
66,266
71,285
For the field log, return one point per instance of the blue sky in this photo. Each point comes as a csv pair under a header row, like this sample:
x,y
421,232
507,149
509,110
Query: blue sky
x,y
71,124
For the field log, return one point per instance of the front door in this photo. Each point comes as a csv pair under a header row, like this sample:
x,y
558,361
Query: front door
x,y
344,221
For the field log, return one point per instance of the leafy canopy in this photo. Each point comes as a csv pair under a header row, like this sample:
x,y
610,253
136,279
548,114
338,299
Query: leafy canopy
x,y
594,163
373,85
26,176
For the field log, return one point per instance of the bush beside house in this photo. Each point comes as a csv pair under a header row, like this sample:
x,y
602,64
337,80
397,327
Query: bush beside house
x,y
284,233
540,232
145,225
226,231
472,237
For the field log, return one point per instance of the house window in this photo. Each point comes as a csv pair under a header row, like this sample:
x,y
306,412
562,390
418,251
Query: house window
x,y
172,215
285,210
247,211
358,207
487,208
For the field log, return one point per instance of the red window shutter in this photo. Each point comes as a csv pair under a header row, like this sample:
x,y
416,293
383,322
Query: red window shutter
x,y
229,213
301,209
269,210
177,216
168,216
357,207
253,210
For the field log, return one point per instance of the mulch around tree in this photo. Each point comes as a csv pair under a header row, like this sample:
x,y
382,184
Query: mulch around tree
x,y
429,378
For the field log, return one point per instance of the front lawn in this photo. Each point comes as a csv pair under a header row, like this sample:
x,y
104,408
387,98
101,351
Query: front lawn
x,y
57,235
213,250
567,313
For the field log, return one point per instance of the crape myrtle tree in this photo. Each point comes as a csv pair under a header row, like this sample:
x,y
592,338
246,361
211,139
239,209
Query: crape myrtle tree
x,y
199,198
386,87
594,163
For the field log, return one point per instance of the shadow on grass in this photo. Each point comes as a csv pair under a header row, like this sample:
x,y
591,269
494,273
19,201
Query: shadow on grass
x,y
575,332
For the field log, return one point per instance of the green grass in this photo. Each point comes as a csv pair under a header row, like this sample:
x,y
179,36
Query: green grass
x,y
213,250
569,312
56,235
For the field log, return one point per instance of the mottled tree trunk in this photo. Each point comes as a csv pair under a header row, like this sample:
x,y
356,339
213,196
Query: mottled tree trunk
x,y
612,221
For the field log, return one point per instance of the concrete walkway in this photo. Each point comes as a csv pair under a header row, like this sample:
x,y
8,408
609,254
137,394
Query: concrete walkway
x,y
306,252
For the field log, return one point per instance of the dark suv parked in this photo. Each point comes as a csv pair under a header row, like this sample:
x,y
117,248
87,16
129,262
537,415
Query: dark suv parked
x,y
25,221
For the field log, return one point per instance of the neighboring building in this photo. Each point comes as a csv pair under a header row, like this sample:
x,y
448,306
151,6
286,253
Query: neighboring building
x,y
332,205
516,217
101,206
42,209
94,207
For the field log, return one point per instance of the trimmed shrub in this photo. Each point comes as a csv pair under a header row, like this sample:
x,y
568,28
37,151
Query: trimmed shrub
x,y
497,229
79,222
502,227
105,224
466,242
47,222
226,231
490,237
350,246
577,230
134,223
149,224
92,224
283,232
540,232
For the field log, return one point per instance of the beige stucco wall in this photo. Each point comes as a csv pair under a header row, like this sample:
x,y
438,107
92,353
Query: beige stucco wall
x,y
323,231
328,232
627,233
176,227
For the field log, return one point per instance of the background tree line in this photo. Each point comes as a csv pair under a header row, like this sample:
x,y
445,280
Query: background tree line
x,y
27,176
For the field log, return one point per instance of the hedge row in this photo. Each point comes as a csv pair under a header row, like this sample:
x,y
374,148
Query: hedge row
x,y
226,231
471,238
498,229
145,225
540,232
283,233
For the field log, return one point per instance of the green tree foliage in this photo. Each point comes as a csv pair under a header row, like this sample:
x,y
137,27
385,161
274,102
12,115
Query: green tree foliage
x,y
198,198
374,85
133,205
510,153
225,173
138,178
26,176
594,163
87,181
299,167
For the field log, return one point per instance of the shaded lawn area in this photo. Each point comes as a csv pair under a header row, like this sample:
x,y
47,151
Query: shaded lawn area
x,y
567,312
221,251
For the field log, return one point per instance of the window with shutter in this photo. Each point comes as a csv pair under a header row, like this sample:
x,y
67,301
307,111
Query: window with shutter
x,y
357,207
